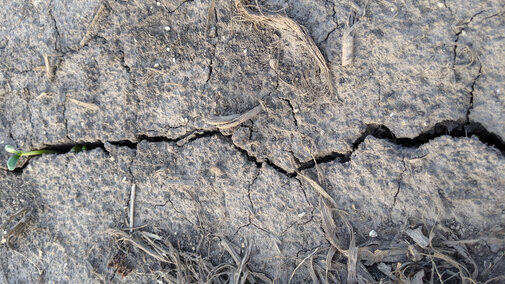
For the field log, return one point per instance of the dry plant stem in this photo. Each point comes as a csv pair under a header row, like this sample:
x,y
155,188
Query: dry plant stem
x,y
18,228
301,263
19,212
132,204
319,190
122,236
230,121
91,29
89,106
286,25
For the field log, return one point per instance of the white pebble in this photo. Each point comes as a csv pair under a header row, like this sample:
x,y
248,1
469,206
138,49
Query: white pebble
x,y
391,115
173,59
168,48
158,3
373,234
301,214
167,28
245,51
156,65
440,5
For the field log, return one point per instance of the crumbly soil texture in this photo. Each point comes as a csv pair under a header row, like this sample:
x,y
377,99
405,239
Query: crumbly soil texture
x,y
227,143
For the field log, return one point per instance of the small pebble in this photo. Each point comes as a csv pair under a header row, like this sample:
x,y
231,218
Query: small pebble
x,y
301,214
391,115
167,28
173,59
373,234
168,48
440,5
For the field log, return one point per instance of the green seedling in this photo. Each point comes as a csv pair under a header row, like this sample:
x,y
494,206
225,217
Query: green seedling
x,y
11,163
78,148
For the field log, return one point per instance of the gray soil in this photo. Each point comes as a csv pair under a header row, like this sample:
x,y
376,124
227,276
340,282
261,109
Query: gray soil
x,y
391,169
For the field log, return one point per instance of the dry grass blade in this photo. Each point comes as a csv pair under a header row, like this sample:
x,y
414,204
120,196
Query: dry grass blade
x,y
319,190
352,260
230,121
312,271
301,263
284,24
132,204
496,279
463,271
122,236
242,265
100,14
329,260
89,106
464,253
10,218
18,228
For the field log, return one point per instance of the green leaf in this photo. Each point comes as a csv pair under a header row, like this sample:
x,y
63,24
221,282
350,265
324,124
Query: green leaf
x,y
78,148
11,149
11,163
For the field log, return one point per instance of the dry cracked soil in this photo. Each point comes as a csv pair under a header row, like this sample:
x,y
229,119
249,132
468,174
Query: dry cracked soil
x,y
227,143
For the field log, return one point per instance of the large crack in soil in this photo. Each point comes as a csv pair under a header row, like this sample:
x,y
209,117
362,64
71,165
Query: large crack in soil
x,y
447,128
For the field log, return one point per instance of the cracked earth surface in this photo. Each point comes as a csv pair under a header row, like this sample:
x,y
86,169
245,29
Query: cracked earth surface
x,y
413,130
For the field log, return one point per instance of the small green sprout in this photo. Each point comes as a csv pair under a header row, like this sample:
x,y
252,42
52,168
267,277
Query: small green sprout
x,y
78,148
11,163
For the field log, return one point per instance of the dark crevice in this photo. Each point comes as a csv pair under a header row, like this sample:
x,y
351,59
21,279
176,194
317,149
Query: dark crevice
x,y
179,6
122,61
446,128
470,107
323,159
292,110
56,31
400,180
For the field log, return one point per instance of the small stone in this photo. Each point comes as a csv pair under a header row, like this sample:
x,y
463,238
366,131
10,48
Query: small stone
x,y
440,5
167,28
373,234
301,214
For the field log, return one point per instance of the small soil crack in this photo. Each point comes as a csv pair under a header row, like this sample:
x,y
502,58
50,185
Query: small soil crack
x,y
400,180
470,107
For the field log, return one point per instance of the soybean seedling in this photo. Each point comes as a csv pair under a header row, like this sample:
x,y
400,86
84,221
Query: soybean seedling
x,y
11,163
